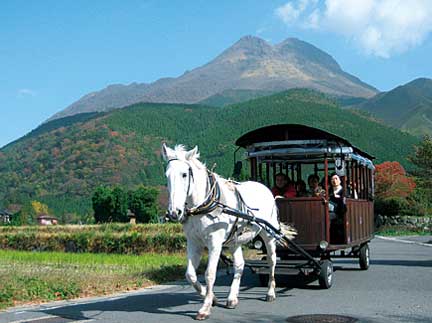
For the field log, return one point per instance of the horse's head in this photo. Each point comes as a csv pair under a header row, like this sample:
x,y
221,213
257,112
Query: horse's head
x,y
180,178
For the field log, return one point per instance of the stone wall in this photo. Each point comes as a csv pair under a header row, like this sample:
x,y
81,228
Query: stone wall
x,y
420,222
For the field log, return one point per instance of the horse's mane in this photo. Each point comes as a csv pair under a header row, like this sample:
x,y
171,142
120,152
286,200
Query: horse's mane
x,y
181,151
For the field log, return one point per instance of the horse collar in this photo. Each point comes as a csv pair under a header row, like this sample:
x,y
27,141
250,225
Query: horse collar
x,y
212,200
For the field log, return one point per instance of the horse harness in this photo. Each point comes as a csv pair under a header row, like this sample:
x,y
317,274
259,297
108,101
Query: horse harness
x,y
212,200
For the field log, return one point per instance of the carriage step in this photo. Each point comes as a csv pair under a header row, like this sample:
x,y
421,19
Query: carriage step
x,y
282,266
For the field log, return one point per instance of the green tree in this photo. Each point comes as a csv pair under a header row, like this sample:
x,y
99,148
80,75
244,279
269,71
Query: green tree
x,y
143,203
119,212
103,204
110,204
422,159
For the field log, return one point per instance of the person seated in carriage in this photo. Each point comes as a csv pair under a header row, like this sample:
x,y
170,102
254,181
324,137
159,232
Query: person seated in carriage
x,y
337,206
315,189
283,187
301,188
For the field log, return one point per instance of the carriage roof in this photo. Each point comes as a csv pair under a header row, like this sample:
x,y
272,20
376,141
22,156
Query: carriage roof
x,y
299,142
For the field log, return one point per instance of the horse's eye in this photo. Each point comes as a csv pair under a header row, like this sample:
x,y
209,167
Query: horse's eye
x,y
184,175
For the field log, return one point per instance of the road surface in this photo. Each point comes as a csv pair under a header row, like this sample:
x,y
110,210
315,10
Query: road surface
x,y
396,288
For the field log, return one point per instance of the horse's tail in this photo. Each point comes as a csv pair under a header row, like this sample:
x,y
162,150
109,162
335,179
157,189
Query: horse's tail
x,y
288,231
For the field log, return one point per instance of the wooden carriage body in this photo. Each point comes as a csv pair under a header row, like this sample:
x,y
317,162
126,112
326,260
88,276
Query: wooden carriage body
x,y
298,151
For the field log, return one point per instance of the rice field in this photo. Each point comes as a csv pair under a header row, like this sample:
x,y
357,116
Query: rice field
x,y
34,277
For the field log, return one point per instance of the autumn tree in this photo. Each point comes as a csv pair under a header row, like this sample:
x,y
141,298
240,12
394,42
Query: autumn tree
x,y
392,181
39,208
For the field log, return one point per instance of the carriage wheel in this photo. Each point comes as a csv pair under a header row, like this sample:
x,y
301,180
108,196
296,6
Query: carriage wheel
x,y
364,257
325,277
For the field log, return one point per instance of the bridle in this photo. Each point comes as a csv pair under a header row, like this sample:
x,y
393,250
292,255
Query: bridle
x,y
212,196
190,173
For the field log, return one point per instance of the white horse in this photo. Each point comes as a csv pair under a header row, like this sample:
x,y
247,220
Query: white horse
x,y
196,199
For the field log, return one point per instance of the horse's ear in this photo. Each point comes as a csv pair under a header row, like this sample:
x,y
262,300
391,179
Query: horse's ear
x,y
192,153
167,152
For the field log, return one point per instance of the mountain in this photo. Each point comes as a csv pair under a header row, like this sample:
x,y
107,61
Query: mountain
x,y
62,162
228,97
249,64
407,107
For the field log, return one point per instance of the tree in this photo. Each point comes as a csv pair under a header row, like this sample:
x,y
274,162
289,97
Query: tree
x,y
143,203
120,202
422,158
103,204
39,208
111,204
392,181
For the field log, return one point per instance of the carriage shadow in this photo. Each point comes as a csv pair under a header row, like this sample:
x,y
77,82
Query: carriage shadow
x,y
283,283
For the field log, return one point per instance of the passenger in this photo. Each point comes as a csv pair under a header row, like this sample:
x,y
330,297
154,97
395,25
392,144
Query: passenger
x,y
337,205
283,187
353,190
314,188
301,188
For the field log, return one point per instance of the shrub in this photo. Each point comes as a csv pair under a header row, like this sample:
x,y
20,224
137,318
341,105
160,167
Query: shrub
x,y
111,204
107,238
391,206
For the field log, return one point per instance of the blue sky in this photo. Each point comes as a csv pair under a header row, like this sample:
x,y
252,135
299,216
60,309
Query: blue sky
x,y
54,52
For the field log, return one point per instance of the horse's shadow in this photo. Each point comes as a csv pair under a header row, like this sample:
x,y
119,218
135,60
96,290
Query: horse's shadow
x,y
184,302
155,303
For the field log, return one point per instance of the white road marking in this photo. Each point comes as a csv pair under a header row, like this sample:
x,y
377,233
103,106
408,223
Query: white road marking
x,y
404,241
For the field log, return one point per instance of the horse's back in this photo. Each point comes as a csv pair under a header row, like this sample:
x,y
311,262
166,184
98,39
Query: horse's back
x,y
258,196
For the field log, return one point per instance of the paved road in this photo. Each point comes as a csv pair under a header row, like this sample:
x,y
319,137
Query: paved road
x,y
396,288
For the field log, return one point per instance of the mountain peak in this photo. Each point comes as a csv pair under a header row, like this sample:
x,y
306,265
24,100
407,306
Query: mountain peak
x,y
421,82
307,51
246,47
251,63
251,40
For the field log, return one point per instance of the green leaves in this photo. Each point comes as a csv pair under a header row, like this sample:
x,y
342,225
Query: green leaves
x,y
112,204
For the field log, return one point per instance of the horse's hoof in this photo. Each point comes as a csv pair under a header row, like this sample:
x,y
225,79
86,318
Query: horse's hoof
x,y
215,301
270,298
231,304
201,317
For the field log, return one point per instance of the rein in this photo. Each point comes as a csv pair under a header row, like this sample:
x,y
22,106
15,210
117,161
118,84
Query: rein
x,y
212,200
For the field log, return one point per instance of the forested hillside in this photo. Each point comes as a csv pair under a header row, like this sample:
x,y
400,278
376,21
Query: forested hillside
x,y
407,107
64,163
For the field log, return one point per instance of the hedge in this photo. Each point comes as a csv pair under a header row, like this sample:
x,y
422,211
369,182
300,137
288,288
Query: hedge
x,y
121,239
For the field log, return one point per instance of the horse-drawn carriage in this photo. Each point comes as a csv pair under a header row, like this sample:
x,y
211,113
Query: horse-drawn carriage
x,y
216,212
298,151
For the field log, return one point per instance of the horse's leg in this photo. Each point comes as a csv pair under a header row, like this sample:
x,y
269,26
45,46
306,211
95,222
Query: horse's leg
x,y
210,276
238,272
193,261
270,244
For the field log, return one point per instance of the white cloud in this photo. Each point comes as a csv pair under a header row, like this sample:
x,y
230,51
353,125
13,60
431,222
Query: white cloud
x,y
26,92
292,10
378,27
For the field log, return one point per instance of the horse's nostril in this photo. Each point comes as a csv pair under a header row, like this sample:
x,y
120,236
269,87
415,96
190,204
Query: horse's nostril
x,y
179,212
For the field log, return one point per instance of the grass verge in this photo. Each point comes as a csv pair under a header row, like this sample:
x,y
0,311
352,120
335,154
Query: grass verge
x,y
392,231
34,277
